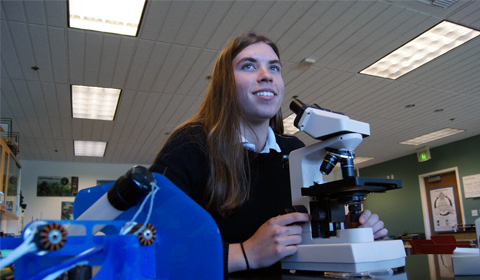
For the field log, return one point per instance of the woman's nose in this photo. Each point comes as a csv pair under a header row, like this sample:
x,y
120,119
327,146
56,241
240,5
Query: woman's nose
x,y
264,75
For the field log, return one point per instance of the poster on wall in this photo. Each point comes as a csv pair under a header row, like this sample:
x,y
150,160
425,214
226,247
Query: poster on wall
x,y
444,211
102,182
471,186
57,186
67,210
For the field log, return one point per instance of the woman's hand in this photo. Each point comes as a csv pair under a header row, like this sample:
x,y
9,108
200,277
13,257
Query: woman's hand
x,y
274,240
367,219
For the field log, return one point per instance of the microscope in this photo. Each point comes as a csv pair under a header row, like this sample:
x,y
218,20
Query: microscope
x,y
327,245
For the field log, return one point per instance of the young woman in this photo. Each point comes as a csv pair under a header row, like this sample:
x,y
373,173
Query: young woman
x,y
229,158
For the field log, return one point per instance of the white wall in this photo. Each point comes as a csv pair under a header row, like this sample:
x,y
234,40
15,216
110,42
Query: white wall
x,y
49,208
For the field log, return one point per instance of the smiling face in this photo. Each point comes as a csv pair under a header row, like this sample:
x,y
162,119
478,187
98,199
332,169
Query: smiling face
x,y
259,82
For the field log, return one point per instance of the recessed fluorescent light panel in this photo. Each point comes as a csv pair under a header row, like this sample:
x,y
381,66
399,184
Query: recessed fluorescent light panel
x,y
112,16
442,133
358,160
89,148
436,41
94,102
288,127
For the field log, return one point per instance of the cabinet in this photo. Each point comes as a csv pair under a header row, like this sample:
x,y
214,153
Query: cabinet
x,y
10,171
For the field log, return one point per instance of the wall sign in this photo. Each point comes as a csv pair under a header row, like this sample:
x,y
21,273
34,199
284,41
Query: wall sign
x,y
444,211
471,186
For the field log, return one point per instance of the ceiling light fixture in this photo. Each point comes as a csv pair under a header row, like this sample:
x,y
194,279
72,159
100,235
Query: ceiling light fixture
x,y
307,61
358,160
89,148
442,133
436,41
112,16
288,127
94,102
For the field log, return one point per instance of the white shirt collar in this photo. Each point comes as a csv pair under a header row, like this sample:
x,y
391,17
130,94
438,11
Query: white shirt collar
x,y
270,144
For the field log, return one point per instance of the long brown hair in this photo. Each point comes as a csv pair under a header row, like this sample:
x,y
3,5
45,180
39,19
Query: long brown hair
x,y
228,185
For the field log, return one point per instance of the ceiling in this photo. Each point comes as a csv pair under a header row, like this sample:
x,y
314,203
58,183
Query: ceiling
x,y
162,72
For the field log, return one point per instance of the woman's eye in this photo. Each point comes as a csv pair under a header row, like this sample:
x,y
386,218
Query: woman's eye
x,y
248,66
275,68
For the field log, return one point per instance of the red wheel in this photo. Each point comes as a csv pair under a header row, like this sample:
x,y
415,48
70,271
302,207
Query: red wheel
x,y
51,237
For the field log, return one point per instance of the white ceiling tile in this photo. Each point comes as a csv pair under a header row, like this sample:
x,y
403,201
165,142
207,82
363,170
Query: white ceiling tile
x,y
217,13
106,132
196,72
124,59
10,98
468,15
181,69
143,52
55,128
35,11
87,130
154,128
173,22
66,126
57,13
76,56
224,31
126,100
175,54
39,37
77,131
20,124
44,125
192,21
132,124
93,52
14,10
308,41
303,27
58,52
23,48
23,95
257,12
37,97
31,144
63,100
153,18
109,54
181,109
276,12
289,19
152,69
145,123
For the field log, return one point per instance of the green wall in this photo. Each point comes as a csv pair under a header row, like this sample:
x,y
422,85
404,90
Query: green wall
x,y
401,210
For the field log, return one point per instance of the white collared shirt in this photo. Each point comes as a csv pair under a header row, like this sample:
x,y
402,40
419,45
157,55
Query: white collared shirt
x,y
270,144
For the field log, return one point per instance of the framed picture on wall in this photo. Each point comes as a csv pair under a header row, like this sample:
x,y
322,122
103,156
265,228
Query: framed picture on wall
x,y
67,210
102,182
57,186
9,205
444,211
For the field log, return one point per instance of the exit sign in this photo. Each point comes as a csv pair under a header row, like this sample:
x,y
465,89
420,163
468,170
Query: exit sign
x,y
423,154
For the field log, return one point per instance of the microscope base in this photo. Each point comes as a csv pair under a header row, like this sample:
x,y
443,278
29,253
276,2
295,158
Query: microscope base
x,y
347,257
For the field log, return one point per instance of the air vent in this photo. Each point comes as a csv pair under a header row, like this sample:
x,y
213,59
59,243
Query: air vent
x,y
440,3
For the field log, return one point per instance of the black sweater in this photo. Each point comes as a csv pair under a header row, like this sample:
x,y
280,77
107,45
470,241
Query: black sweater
x,y
184,161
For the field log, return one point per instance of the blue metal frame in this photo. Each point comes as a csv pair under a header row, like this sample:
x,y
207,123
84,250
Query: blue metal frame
x,y
187,245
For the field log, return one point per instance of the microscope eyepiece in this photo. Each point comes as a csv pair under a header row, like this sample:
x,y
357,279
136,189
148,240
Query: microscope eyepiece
x,y
296,106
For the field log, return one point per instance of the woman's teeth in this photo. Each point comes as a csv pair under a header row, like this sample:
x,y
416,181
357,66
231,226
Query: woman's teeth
x,y
264,93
